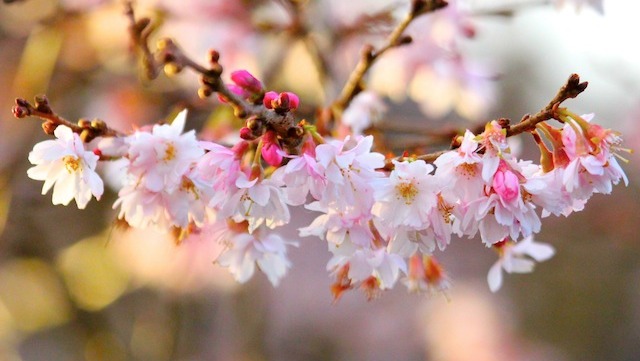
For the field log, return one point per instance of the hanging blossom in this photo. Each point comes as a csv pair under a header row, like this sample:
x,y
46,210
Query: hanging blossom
x,y
65,165
517,258
425,274
503,209
592,152
245,251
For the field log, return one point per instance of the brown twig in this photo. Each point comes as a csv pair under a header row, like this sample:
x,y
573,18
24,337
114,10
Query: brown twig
x,y
369,54
170,57
139,31
571,89
87,129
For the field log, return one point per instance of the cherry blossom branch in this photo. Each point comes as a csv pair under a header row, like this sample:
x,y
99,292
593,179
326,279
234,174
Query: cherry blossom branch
x,y
170,57
87,129
369,54
173,60
571,89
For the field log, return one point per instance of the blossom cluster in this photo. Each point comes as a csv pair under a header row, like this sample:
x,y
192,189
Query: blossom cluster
x,y
383,218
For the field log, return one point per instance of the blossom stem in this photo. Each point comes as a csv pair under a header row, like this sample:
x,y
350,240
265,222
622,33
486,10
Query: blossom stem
x,y
317,138
256,164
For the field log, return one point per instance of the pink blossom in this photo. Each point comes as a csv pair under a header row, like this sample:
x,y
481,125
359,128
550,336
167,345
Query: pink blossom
x,y
462,169
408,195
548,192
302,175
592,166
257,202
338,228
219,169
349,167
160,158
503,211
506,183
410,210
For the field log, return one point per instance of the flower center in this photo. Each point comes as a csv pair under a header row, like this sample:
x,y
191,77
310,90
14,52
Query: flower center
x,y
72,163
169,153
187,186
407,191
467,170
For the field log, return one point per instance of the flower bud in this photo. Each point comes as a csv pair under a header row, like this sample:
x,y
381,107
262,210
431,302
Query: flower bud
x,y
282,103
247,134
49,127
271,151
19,111
269,98
246,81
506,184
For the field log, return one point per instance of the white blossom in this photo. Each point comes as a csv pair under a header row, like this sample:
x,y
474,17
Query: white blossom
x,y
66,166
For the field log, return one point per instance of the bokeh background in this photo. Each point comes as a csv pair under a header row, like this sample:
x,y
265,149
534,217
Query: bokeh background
x,y
73,286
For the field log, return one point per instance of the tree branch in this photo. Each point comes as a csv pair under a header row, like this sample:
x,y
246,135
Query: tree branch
x,y
571,89
87,129
172,59
369,55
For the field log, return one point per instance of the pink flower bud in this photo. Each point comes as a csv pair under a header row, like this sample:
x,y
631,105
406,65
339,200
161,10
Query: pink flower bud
x,y
294,101
506,184
246,134
282,102
271,151
269,99
245,80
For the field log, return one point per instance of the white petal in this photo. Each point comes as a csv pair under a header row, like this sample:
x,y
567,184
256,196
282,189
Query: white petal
x,y
520,265
494,277
540,251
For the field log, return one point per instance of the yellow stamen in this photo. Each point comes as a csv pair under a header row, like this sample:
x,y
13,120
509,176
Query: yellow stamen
x,y
72,163
169,153
407,191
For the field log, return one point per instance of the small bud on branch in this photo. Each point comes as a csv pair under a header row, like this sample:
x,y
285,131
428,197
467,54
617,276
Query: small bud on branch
x,y
87,129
